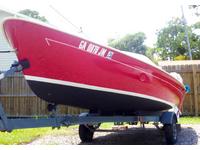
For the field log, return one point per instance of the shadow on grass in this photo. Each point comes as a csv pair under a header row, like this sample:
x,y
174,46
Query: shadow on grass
x,y
147,136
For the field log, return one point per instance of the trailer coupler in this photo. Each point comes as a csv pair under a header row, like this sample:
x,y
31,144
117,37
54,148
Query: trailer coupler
x,y
16,67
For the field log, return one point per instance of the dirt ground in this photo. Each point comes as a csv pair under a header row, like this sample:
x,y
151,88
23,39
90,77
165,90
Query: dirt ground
x,y
189,135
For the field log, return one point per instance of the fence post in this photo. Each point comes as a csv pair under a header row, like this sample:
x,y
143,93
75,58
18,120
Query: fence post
x,y
194,74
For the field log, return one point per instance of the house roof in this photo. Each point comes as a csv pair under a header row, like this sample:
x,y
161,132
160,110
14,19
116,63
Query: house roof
x,y
12,13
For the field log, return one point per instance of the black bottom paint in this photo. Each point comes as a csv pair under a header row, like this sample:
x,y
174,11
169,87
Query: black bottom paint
x,y
104,102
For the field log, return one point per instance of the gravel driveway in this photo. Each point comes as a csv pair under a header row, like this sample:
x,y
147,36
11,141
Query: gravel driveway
x,y
189,135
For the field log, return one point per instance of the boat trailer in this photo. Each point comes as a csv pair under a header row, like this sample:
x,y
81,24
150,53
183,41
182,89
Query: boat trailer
x,y
88,122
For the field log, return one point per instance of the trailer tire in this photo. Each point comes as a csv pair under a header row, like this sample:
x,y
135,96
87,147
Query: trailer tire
x,y
171,132
86,133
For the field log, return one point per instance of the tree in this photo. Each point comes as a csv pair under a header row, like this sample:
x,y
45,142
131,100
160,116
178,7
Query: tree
x,y
171,42
151,53
130,42
196,9
33,14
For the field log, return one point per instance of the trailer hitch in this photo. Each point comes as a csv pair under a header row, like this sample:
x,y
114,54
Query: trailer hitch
x,y
16,67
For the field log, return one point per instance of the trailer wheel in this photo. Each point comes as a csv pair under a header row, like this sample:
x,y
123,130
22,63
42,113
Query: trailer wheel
x,y
171,132
86,133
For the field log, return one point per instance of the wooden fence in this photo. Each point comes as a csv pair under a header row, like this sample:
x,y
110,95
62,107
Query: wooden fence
x,y
190,72
18,99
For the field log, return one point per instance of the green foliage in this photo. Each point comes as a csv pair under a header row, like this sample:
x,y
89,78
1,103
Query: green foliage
x,y
33,14
130,42
151,53
196,26
171,41
180,57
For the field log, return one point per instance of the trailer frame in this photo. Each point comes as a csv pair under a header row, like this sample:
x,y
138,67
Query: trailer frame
x,y
89,123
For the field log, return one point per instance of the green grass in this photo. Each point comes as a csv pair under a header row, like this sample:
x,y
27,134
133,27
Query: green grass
x,y
189,120
21,136
106,125
24,136
182,120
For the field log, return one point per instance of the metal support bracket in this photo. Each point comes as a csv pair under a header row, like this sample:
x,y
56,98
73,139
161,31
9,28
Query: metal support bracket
x,y
15,67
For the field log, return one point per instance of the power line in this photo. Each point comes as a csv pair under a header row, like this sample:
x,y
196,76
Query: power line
x,y
80,30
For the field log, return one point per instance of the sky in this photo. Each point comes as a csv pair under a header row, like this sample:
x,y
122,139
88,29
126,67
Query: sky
x,y
101,20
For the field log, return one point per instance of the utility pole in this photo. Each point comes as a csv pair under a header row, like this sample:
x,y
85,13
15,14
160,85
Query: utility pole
x,y
194,67
186,33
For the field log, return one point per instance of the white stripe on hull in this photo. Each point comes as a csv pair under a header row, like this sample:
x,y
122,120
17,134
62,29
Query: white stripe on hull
x,y
91,87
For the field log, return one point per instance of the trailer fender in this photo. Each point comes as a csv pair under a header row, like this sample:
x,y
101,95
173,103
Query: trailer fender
x,y
167,117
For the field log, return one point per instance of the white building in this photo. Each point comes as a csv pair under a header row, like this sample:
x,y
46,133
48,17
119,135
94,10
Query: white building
x,y
6,59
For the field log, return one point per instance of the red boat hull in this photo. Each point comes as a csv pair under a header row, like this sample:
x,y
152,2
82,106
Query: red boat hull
x,y
69,70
